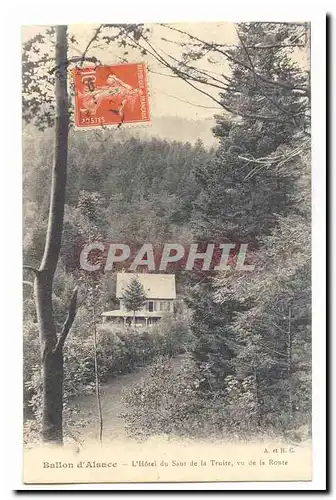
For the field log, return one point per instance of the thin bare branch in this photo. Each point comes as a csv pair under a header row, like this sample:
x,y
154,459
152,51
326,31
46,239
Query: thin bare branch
x,y
215,47
207,74
191,103
96,33
180,72
31,268
185,77
29,283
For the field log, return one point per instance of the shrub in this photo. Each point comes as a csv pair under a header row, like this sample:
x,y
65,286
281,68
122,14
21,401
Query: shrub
x,y
173,402
165,402
119,351
31,360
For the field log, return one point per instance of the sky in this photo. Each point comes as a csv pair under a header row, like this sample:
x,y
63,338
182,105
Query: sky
x,y
168,95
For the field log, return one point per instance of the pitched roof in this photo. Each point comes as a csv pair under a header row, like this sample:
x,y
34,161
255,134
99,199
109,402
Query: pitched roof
x,y
157,286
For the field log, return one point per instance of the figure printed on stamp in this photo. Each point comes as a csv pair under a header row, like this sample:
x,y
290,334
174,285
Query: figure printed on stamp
x,y
111,95
116,92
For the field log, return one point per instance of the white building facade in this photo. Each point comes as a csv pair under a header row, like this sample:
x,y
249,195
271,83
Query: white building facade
x,y
160,293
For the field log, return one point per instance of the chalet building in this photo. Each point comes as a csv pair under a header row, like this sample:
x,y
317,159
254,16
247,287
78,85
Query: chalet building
x,y
160,297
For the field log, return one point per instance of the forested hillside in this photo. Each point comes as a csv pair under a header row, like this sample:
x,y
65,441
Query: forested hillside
x,y
145,188
124,190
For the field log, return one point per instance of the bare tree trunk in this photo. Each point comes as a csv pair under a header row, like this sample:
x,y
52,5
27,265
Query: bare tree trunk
x,y
100,413
51,345
289,362
258,397
52,362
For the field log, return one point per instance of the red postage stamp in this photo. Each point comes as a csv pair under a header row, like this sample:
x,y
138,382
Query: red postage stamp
x,y
111,95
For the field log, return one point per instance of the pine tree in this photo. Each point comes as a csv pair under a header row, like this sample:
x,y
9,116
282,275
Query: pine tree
x,y
250,186
134,296
242,192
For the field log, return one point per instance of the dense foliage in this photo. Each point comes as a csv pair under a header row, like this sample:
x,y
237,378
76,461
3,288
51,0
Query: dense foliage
x,y
119,351
103,203
249,371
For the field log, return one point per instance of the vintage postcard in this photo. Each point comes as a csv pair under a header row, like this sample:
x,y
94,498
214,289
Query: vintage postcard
x,y
167,325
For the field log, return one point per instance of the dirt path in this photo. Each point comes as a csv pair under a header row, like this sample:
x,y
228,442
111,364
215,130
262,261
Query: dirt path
x,y
112,406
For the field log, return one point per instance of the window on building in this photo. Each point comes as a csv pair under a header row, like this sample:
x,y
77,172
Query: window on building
x,y
151,306
165,305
